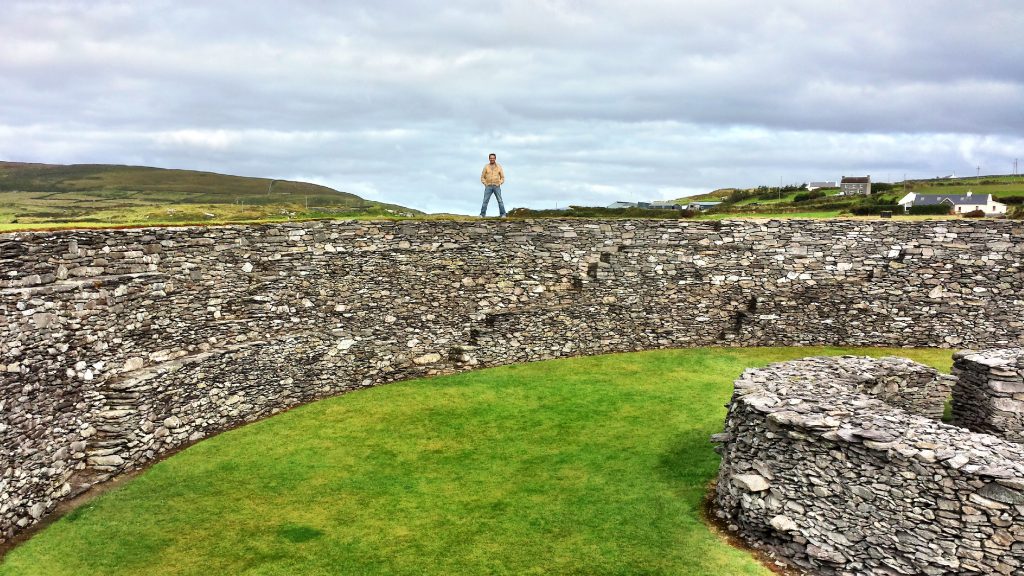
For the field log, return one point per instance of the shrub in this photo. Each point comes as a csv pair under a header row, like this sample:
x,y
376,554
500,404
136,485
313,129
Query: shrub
x,y
871,209
975,214
805,196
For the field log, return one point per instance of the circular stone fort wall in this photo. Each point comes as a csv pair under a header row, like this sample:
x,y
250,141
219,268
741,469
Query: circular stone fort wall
x,y
117,346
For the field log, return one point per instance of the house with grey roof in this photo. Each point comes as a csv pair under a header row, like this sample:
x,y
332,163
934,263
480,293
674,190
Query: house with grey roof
x,y
853,185
958,203
701,206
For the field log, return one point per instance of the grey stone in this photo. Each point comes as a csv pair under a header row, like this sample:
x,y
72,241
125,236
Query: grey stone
x,y
751,482
37,510
111,460
1000,493
783,523
431,358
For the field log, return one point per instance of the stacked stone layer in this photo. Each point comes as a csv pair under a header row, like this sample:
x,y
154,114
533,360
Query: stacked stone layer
x,y
990,393
819,469
119,345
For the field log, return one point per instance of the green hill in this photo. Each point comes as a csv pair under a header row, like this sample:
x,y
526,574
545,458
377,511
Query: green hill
x,y
713,196
34,195
1002,187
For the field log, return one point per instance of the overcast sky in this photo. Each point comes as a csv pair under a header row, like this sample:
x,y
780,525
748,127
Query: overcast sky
x,y
584,102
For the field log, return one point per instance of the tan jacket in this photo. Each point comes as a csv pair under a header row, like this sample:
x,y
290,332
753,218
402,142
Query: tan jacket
x,y
492,175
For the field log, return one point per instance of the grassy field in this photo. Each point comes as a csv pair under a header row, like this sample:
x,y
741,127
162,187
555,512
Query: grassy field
x,y
579,466
44,195
769,215
998,186
765,204
786,198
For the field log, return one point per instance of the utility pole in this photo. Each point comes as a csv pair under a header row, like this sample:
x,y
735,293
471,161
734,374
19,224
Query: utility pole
x,y
978,173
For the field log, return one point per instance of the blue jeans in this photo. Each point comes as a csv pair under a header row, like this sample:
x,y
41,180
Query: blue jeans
x,y
488,190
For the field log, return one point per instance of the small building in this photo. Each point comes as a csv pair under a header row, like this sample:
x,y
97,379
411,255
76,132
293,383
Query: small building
x,y
701,206
622,205
854,185
817,185
958,203
666,205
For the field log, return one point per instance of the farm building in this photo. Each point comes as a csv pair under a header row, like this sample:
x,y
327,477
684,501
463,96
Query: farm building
x,y
853,185
701,206
817,185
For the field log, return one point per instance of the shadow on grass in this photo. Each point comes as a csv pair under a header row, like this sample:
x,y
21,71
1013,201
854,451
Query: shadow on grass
x,y
298,534
691,461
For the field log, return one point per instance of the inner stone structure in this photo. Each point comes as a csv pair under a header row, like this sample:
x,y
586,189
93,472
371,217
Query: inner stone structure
x,y
120,345
990,392
840,466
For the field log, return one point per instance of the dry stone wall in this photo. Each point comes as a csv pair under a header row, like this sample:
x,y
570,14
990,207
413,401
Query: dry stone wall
x,y
822,469
990,392
119,345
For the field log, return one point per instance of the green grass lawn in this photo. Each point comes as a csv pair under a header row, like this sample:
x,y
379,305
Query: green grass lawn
x,y
580,466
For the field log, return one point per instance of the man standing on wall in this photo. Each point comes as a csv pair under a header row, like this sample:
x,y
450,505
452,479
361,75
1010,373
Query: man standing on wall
x,y
492,178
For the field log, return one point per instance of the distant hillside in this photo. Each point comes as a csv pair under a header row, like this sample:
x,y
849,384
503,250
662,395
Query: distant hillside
x,y
720,194
1004,187
794,198
110,194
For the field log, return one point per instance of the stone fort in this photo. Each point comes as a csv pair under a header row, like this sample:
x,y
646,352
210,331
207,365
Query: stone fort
x,y
121,345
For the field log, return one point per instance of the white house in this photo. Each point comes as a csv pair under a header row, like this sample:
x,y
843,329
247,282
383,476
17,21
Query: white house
x,y
958,203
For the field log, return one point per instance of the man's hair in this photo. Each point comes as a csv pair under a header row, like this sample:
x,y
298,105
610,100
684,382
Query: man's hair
x,y
492,154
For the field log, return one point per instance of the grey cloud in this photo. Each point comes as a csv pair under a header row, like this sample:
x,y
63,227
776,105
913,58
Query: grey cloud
x,y
585,102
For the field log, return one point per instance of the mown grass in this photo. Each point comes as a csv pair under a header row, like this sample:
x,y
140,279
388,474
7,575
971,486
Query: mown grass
x,y
579,466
